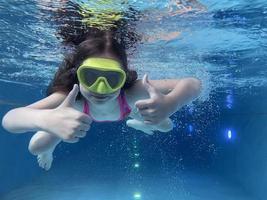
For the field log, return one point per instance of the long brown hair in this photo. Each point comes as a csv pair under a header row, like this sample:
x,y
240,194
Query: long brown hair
x,y
91,42
105,44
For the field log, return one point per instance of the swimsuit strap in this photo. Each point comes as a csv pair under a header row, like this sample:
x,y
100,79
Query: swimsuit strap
x,y
86,108
124,106
125,109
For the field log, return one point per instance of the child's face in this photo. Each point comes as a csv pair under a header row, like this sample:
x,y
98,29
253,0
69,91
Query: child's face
x,y
98,98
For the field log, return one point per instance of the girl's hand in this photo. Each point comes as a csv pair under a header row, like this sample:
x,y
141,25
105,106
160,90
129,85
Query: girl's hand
x,y
164,126
157,108
139,125
65,121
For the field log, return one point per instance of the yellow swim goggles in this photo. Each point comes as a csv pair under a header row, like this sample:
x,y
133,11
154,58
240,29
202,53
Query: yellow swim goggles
x,y
101,75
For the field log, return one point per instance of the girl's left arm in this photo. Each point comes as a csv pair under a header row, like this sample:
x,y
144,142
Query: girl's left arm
x,y
156,100
184,91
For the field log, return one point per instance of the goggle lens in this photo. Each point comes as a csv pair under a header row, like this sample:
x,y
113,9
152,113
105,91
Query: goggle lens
x,y
91,75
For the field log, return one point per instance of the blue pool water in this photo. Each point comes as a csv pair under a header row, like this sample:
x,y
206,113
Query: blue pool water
x,y
218,148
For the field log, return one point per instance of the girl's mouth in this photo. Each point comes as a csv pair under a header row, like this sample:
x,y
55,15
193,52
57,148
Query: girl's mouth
x,y
99,97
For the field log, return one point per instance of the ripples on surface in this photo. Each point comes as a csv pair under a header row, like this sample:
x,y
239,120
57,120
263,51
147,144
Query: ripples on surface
x,y
222,45
28,46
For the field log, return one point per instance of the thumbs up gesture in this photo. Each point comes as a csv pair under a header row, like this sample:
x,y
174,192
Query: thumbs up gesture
x,y
69,101
65,121
155,109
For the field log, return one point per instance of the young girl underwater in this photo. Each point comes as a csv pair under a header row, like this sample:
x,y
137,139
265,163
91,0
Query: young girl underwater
x,y
94,84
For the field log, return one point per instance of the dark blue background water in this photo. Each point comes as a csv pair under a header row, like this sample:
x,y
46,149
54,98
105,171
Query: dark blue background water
x,y
195,161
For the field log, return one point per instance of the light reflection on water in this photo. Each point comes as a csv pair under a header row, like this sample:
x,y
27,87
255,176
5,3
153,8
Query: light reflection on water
x,y
183,187
187,44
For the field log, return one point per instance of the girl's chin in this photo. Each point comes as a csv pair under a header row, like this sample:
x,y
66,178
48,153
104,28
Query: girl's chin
x,y
100,99
99,96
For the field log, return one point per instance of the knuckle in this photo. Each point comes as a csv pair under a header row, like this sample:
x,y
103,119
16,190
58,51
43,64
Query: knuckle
x,y
83,135
89,119
75,140
68,141
75,126
152,101
152,121
67,137
151,112
88,123
72,133
78,117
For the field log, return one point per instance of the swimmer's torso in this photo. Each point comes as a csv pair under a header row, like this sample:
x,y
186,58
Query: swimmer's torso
x,y
101,115
110,115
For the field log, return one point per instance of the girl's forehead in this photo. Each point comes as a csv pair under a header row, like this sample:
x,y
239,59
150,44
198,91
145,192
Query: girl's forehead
x,y
108,56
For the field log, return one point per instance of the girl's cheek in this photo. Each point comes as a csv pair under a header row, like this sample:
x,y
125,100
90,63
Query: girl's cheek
x,y
84,92
82,89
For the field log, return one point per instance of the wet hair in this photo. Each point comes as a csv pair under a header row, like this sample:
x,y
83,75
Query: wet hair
x,y
102,46
72,30
85,43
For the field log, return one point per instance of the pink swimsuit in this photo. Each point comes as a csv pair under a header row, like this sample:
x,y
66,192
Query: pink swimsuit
x,y
124,108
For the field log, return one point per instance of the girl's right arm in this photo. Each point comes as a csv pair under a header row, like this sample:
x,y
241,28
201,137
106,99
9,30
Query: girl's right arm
x,y
55,114
29,118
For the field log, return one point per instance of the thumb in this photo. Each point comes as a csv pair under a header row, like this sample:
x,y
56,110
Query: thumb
x,y
150,89
70,99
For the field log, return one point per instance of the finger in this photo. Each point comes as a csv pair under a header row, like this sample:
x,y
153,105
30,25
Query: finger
x,y
81,133
144,104
147,112
85,119
150,89
149,132
70,99
138,125
148,122
151,121
81,130
72,140
84,127
149,118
